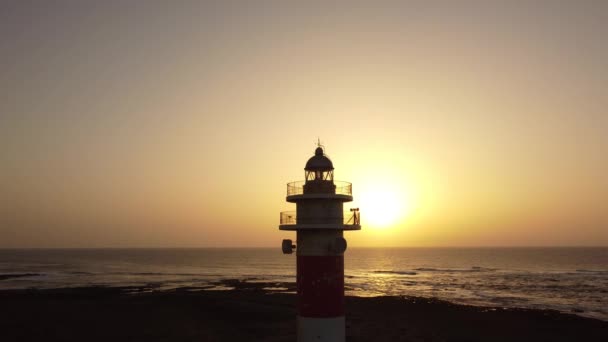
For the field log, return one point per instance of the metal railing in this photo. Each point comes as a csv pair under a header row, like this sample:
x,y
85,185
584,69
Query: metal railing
x,y
288,217
342,188
348,218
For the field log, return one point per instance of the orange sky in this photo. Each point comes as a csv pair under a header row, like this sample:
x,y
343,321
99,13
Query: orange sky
x,y
151,125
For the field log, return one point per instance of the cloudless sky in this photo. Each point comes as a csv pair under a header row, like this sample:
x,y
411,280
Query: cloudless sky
x,y
167,124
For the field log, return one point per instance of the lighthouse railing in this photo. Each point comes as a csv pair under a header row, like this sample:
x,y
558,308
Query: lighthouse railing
x,y
342,188
348,218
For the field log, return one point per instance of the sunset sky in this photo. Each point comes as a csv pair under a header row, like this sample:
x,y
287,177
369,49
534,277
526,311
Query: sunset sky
x,y
178,124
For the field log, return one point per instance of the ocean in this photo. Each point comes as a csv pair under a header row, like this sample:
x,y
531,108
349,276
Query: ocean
x,y
572,280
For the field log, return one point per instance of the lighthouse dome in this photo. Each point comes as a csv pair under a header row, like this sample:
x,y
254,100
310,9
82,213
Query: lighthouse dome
x,y
319,162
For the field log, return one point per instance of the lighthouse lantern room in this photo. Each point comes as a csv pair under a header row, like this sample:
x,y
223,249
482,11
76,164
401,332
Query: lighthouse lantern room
x,y
319,222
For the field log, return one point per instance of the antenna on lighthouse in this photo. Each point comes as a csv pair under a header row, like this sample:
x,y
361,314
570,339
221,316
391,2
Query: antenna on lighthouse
x,y
319,143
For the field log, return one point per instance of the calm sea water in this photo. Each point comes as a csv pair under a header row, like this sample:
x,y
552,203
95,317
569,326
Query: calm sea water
x,y
571,280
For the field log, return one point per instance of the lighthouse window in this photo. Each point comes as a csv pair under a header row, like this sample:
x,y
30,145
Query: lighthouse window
x,y
319,175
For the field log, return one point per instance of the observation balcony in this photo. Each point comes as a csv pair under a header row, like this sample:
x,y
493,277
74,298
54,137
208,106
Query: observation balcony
x,y
319,189
348,221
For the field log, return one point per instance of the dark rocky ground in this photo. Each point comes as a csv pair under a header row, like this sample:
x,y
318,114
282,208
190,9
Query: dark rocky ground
x,y
249,313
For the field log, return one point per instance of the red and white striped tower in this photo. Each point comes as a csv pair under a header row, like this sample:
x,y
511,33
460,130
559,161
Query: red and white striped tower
x,y
319,221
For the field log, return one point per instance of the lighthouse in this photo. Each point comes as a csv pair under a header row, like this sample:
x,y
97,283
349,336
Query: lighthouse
x,y
319,221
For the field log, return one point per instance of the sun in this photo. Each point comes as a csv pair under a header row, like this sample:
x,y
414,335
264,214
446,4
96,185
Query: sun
x,y
382,207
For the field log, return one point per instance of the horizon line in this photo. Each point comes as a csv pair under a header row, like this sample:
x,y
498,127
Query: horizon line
x,y
278,248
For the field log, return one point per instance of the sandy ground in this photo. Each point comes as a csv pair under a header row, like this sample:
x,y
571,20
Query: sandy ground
x,y
249,313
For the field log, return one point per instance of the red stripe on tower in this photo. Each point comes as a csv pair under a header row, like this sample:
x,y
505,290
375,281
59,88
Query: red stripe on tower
x,y
320,281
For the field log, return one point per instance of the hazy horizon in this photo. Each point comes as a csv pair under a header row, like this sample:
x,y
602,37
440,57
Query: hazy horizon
x,y
148,124
356,247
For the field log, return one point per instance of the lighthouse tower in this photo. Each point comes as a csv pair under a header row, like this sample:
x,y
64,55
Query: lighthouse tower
x,y
319,221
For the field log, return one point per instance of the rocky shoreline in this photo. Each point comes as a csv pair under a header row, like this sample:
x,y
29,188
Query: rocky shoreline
x,y
249,311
